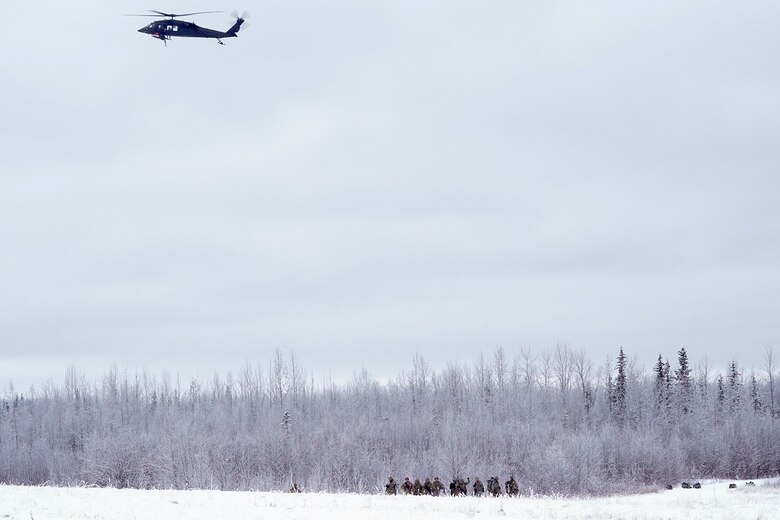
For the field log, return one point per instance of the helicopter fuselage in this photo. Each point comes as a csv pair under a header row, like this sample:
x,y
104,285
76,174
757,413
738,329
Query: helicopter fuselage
x,y
166,29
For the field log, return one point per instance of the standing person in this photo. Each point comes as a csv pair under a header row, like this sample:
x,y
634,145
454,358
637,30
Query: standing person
x,y
438,487
494,487
406,487
417,488
428,487
479,488
391,488
512,489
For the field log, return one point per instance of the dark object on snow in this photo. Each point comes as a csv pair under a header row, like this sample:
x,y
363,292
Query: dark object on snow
x,y
732,486
751,483
697,486
685,485
512,489
479,488
406,487
391,488
669,486
417,488
295,488
428,487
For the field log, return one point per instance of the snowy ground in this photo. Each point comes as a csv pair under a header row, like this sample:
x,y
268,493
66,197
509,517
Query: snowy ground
x,y
713,501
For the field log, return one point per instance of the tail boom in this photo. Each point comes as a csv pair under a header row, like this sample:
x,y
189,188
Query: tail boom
x,y
233,31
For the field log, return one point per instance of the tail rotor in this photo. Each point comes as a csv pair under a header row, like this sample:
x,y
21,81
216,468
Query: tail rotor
x,y
240,22
244,15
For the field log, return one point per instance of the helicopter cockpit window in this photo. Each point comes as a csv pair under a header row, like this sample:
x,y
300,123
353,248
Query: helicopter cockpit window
x,y
175,28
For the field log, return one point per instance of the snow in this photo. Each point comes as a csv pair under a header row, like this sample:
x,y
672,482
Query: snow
x,y
713,502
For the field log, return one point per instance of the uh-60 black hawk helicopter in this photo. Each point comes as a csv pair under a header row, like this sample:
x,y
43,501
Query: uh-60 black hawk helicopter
x,y
166,29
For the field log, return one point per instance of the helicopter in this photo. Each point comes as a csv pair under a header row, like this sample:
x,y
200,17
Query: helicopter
x,y
166,29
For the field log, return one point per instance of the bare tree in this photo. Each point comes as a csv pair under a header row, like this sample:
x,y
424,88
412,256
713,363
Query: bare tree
x,y
562,365
527,374
500,369
769,367
526,367
703,379
418,380
545,371
297,380
582,368
278,377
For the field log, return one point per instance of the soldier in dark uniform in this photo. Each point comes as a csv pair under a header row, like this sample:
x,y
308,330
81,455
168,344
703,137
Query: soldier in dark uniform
x,y
512,489
406,487
438,487
417,487
428,487
494,488
479,488
453,488
391,488
463,486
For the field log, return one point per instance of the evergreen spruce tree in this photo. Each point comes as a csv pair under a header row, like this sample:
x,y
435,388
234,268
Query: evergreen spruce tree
x,y
755,398
683,381
721,393
659,386
735,388
668,391
619,394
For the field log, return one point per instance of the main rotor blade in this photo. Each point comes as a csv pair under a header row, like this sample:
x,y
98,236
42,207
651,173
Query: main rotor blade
x,y
180,15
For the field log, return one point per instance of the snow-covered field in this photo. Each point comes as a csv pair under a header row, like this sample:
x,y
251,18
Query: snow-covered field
x,y
713,501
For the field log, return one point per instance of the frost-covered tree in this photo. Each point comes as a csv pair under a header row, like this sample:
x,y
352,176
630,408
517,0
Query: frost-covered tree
x,y
583,368
620,391
683,382
721,393
755,398
659,386
769,367
734,387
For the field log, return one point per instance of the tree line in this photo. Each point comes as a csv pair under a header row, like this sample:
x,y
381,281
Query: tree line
x,y
556,421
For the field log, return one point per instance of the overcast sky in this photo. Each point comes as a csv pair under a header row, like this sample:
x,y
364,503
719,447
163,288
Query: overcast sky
x,y
357,181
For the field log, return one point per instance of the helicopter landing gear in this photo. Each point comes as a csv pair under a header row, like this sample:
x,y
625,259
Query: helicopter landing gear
x,y
220,41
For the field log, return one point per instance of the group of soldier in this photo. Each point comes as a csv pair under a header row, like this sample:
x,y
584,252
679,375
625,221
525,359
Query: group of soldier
x,y
458,487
